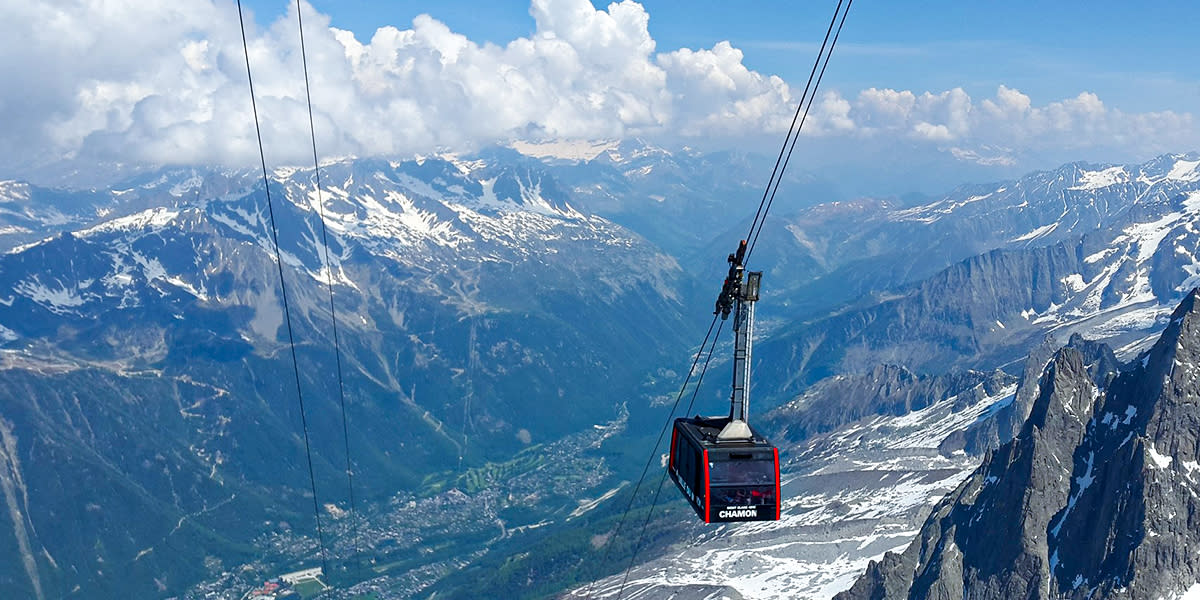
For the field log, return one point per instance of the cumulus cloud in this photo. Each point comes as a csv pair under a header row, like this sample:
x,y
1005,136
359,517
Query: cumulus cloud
x,y
983,131
164,82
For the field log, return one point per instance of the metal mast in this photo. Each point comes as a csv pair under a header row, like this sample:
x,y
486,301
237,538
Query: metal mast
x,y
738,296
743,341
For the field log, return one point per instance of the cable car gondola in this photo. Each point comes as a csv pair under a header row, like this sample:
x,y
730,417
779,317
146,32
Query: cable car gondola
x,y
724,481
725,469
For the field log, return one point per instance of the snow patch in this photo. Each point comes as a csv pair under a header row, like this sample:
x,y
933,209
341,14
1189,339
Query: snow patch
x,y
200,293
1141,319
11,191
192,183
1093,180
1042,231
1075,282
1083,481
1099,256
1191,202
565,149
1148,236
153,218
58,299
1163,462
931,425
151,267
1192,593
1184,170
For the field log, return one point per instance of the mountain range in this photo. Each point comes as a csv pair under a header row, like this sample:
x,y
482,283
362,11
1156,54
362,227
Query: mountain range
x,y
147,355
498,309
875,374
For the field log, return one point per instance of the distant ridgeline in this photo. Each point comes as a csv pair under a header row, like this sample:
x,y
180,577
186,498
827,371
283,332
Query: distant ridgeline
x,y
497,303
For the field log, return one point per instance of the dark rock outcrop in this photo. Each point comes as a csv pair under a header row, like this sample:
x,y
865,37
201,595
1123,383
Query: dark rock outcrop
x,y
989,434
1096,497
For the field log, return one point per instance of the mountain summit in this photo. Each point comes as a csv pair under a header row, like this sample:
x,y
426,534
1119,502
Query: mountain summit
x,y
1095,498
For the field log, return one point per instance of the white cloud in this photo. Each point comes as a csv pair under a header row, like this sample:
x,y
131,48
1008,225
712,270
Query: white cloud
x,y
985,131
164,82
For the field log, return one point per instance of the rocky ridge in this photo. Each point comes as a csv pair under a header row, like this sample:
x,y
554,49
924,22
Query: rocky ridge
x,y
1095,498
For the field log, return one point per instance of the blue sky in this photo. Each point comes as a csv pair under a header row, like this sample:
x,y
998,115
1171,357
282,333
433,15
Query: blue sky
x,y
967,91
1137,57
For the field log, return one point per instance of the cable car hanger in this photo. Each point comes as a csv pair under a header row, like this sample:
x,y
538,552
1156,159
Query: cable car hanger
x,y
726,470
739,296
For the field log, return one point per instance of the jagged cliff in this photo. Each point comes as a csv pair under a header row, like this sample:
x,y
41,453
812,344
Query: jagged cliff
x,y
1096,497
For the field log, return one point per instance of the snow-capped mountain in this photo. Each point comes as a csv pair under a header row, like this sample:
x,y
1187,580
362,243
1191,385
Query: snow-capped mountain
x,y
851,248
1100,251
427,216
30,212
1093,499
682,199
145,355
495,302
1105,253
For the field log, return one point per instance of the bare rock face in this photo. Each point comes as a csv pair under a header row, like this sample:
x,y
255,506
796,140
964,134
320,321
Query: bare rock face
x,y
989,434
1096,497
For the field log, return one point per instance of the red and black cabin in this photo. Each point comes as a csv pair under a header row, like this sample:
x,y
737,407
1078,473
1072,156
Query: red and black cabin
x,y
728,480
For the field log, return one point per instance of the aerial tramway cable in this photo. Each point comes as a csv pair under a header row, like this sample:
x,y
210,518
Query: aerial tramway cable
x,y
337,350
661,433
820,76
764,206
661,480
794,130
283,289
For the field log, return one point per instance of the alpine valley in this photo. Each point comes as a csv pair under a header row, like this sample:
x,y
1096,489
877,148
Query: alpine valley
x,y
511,331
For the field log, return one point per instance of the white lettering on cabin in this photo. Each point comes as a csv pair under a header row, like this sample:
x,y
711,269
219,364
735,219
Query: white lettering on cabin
x,y
739,512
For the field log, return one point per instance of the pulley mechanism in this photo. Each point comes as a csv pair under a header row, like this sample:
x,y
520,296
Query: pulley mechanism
x,y
733,282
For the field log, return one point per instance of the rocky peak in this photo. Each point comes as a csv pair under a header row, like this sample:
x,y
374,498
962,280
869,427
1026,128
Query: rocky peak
x,y
1096,497
1102,366
1067,396
1130,525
